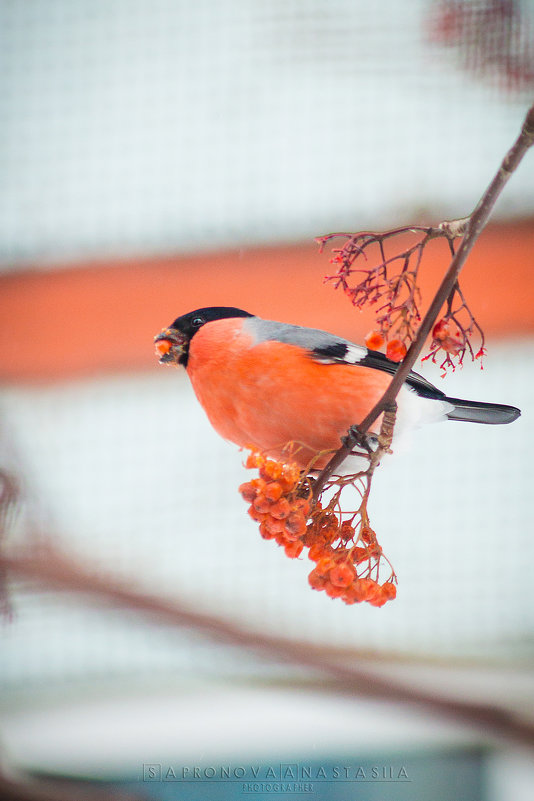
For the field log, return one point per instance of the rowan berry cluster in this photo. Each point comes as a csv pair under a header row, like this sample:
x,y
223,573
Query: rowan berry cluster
x,y
382,270
347,555
279,501
372,274
346,564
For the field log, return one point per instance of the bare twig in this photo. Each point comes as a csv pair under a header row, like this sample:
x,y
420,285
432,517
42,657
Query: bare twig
x,y
473,226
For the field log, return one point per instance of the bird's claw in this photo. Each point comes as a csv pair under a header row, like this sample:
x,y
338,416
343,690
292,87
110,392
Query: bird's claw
x,y
356,439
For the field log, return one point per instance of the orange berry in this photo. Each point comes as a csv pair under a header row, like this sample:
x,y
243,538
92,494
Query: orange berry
x,y
330,533
265,532
316,552
367,534
247,491
163,346
340,556
351,595
329,519
303,504
280,509
293,549
363,589
396,350
254,459
378,599
273,525
271,469
374,550
369,588
273,491
356,591
360,555
346,532
374,340
316,580
261,504
255,515
389,590
325,564
342,575
291,474
287,486
332,591
310,537
296,525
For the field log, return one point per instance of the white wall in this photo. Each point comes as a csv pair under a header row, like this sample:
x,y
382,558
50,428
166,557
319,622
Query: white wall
x,y
162,125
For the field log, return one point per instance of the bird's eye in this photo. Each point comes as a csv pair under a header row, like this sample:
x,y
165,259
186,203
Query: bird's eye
x,y
197,321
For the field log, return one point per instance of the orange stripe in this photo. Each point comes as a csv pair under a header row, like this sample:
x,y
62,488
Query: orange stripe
x,y
102,317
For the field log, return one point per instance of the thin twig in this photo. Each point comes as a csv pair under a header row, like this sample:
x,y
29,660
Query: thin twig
x,y
473,226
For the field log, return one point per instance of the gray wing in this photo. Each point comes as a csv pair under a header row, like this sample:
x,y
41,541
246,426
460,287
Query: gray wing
x,y
329,349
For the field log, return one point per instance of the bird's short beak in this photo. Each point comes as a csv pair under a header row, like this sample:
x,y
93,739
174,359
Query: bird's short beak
x,y
171,346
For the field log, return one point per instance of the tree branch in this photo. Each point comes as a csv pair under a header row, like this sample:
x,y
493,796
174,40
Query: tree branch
x,y
472,226
51,568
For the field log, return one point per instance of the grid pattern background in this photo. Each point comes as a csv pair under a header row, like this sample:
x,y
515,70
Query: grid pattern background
x,y
129,476
170,125
167,126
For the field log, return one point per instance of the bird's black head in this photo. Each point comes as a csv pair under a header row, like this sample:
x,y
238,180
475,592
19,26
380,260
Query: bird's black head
x,y
188,324
172,345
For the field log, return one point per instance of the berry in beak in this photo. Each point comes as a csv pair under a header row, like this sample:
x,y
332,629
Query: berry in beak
x,y
171,347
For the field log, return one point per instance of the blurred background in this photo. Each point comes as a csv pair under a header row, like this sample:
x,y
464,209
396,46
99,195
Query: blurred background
x,y
165,155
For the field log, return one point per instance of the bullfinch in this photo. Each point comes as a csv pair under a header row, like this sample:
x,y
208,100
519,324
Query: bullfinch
x,y
267,384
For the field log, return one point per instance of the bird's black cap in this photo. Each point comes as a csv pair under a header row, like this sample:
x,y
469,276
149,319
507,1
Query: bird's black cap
x,y
189,324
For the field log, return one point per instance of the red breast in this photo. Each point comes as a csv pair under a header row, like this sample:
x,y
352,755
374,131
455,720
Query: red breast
x,y
272,393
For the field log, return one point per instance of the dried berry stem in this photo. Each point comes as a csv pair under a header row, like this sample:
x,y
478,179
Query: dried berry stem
x,y
472,227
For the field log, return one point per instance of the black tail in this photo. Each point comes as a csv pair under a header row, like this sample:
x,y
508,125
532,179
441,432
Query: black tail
x,y
479,412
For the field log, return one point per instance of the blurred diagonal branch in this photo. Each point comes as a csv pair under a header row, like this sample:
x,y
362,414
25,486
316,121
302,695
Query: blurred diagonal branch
x,y
19,788
51,568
